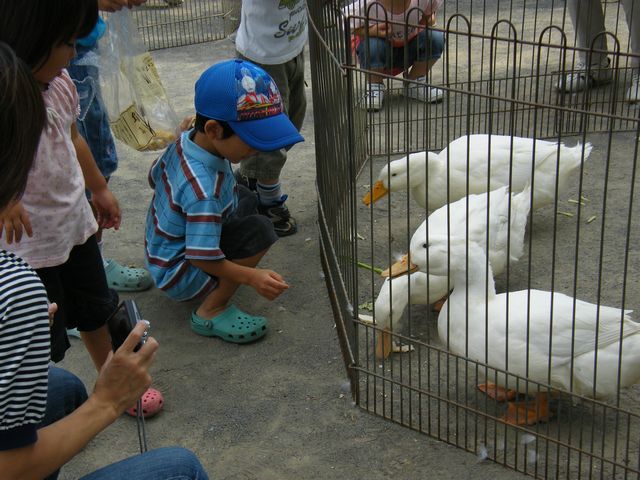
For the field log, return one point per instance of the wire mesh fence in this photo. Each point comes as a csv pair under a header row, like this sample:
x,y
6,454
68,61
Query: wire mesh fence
x,y
557,376
175,23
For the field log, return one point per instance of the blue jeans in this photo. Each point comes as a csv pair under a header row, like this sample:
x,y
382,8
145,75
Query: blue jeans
x,y
93,122
427,45
172,463
66,393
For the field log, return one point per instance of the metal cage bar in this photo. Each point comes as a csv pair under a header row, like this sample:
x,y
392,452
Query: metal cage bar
x,y
502,65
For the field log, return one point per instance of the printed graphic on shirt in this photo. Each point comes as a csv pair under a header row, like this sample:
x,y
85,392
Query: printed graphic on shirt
x,y
257,94
297,22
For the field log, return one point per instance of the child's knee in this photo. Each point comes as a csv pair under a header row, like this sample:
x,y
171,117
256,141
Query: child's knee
x,y
376,50
430,45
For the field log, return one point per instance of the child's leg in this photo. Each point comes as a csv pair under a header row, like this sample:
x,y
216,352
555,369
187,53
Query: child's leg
x,y
219,298
424,51
245,239
373,54
98,344
89,299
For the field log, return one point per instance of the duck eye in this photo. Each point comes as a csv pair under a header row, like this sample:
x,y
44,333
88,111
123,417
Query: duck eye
x,y
424,245
394,174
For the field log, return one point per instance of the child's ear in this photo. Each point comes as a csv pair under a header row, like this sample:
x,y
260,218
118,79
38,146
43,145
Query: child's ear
x,y
213,130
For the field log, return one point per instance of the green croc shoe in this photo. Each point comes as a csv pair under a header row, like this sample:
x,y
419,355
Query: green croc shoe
x,y
127,279
232,325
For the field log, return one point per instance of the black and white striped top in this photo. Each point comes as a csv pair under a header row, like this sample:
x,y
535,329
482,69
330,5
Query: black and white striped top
x,y
24,352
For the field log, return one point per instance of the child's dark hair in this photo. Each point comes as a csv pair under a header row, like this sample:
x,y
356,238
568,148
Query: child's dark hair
x,y
33,27
200,121
22,118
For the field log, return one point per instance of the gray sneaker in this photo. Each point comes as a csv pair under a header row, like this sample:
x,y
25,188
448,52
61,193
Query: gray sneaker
x,y
582,77
424,93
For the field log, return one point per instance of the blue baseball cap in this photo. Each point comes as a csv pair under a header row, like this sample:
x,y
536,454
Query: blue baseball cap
x,y
246,97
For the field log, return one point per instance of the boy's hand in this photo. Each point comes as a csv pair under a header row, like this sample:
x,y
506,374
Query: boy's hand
x,y
268,283
107,209
12,220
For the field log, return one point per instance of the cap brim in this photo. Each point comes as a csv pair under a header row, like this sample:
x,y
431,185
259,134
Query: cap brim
x,y
267,134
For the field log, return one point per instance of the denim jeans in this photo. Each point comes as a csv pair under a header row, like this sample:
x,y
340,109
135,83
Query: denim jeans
x,y
93,122
66,393
172,463
427,45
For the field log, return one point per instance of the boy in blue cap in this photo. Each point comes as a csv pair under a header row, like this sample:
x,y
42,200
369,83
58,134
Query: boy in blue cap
x,y
204,236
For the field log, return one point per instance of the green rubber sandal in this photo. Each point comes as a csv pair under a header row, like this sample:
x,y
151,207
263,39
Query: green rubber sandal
x,y
232,325
127,279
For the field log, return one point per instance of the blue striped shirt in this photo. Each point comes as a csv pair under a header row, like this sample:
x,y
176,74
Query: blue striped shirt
x,y
195,191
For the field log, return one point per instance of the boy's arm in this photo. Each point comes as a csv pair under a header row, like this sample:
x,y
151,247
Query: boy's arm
x,y
106,205
267,283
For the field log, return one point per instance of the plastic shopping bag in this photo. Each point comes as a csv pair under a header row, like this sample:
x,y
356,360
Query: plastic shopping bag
x,y
137,104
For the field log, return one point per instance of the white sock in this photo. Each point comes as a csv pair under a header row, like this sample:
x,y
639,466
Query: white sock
x,y
269,194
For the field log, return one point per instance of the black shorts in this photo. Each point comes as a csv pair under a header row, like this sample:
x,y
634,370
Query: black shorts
x,y
245,232
79,287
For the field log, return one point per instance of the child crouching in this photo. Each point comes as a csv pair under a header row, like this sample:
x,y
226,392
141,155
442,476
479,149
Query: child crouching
x,y
204,236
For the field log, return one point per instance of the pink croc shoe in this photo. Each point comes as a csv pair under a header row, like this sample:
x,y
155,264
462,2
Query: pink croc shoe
x,y
152,403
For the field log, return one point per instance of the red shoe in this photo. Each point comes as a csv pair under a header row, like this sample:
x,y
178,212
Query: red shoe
x,y
152,403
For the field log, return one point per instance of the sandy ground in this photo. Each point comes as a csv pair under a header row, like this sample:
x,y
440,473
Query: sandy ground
x,y
279,408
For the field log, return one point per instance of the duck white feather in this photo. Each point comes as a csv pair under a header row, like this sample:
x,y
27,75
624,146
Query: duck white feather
x,y
540,337
507,221
486,156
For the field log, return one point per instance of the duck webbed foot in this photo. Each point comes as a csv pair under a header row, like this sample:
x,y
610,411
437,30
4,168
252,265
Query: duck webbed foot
x,y
385,346
529,412
499,394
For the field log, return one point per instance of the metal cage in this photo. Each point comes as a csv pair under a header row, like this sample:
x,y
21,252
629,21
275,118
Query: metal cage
x,y
499,72
175,23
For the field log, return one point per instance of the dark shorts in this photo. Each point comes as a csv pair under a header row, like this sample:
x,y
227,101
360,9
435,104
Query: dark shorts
x,y
79,287
245,233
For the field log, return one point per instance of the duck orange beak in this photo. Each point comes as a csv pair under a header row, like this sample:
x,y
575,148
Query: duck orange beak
x,y
377,192
404,265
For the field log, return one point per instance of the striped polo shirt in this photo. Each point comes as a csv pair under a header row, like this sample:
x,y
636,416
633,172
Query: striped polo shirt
x,y
195,192
24,352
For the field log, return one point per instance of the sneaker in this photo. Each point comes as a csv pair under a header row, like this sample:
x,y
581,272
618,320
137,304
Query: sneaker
x,y
424,93
583,77
633,94
283,223
373,96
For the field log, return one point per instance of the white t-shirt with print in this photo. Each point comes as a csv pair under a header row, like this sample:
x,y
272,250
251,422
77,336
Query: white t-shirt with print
x,y
272,31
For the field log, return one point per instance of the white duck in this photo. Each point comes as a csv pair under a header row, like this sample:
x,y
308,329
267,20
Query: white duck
x,y
520,341
427,287
502,150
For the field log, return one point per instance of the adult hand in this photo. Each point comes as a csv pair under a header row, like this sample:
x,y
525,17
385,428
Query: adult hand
x,y
107,209
124,377
115,5
268,283
13,220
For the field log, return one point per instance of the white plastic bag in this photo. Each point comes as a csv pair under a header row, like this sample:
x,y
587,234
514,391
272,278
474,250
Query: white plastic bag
x,y
137,104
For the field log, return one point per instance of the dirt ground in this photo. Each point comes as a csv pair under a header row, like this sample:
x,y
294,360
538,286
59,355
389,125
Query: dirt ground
x,y
276,409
